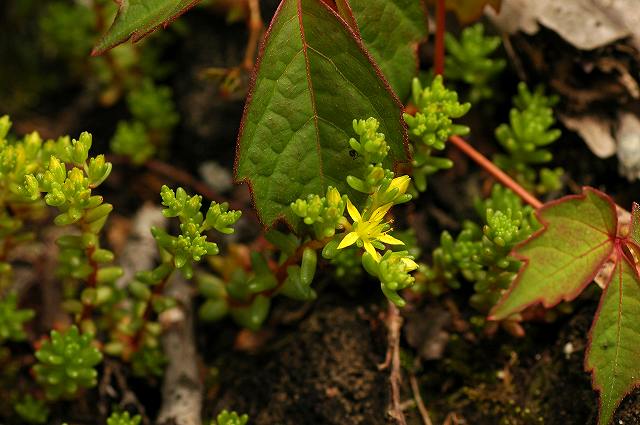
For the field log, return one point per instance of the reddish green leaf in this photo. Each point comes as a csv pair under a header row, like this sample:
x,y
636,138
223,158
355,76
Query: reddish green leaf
x,y
613,355
563,257
313,78
395,51
137,18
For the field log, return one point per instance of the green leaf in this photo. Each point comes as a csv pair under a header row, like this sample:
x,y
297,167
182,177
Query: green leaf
x,y
563,257
395,51
614,339
313,78
137,18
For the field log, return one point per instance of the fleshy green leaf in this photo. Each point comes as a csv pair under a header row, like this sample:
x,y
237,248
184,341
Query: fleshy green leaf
x,y
563,257
395,51
137,18
312,79
614,347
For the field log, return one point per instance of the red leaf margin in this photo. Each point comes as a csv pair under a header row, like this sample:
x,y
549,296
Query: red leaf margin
x,y
344,8
619,257
136,36
540,232
252,83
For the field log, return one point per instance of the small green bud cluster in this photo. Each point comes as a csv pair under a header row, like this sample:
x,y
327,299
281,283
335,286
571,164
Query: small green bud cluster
x,y
191,245
154,116
66,363
371,145
12,319
324,214
525,139
432,126
32,410
66,31
468,60
123,418
18,190
68,181
230,418
369,229
481,254
180,252
393,270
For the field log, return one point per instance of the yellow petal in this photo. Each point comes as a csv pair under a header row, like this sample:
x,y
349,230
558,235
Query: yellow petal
x,y
348,240
401,183
353,211
333,196
372,251
380,212
409,264
387,238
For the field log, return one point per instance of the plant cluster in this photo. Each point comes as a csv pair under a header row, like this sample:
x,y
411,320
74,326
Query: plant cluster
x,y
480,253
469,60
431,127
526,138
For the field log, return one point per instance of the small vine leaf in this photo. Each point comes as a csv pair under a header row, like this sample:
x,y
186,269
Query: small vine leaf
x,y
395,51
137,18
564,256
313,78
614,340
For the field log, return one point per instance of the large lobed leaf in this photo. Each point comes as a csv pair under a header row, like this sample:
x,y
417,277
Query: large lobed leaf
x,y
392,31
312,79
137,18
564,256
613,355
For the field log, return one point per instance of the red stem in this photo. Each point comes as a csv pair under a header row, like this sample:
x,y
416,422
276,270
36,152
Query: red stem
x,y
438,59
496,172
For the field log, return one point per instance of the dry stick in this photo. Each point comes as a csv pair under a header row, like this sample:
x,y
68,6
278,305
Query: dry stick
x,y
424,413
182,387
394,324
496,172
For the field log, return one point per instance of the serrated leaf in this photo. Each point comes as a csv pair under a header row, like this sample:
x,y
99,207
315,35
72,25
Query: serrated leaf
x,y
137,18
563,257
313,78
396,51
613,355
470,10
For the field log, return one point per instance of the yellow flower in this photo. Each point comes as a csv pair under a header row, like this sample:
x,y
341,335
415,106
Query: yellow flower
x,y
401,183
365,232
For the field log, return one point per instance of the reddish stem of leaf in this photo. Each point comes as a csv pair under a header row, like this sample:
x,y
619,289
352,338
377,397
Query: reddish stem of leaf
x,y
438,59
496,172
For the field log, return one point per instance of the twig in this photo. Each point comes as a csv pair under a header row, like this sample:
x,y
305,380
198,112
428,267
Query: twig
x,y
496,172
424,413
394,324
256,26
182,387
